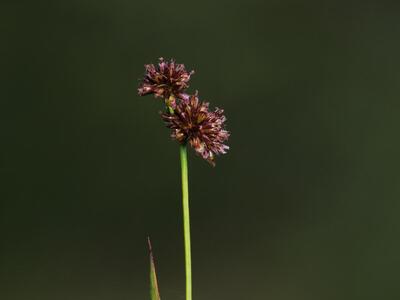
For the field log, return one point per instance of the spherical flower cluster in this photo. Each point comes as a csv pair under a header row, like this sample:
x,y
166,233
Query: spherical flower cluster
x,y
165,80
204,130
189,119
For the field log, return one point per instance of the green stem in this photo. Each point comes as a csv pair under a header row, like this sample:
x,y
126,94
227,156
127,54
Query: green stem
x,y
169,102
186,221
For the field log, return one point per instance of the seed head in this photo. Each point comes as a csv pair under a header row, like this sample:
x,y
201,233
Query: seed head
x,y
204,130
165,80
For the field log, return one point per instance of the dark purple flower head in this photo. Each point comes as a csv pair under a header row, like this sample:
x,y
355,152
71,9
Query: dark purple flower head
x,y
204,130
165,80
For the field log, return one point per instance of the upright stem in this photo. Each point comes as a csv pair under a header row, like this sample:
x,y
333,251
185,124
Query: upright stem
x,y
186,221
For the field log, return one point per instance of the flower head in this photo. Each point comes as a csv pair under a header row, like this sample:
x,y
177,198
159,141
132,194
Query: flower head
x,y
204,130
165,80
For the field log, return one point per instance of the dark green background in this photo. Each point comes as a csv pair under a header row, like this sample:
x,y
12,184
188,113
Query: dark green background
x,y
304,206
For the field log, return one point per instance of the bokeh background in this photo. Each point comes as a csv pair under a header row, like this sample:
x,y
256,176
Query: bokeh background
x,y
304,206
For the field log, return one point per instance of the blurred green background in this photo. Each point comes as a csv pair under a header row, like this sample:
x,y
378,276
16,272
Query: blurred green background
x,y
304,206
